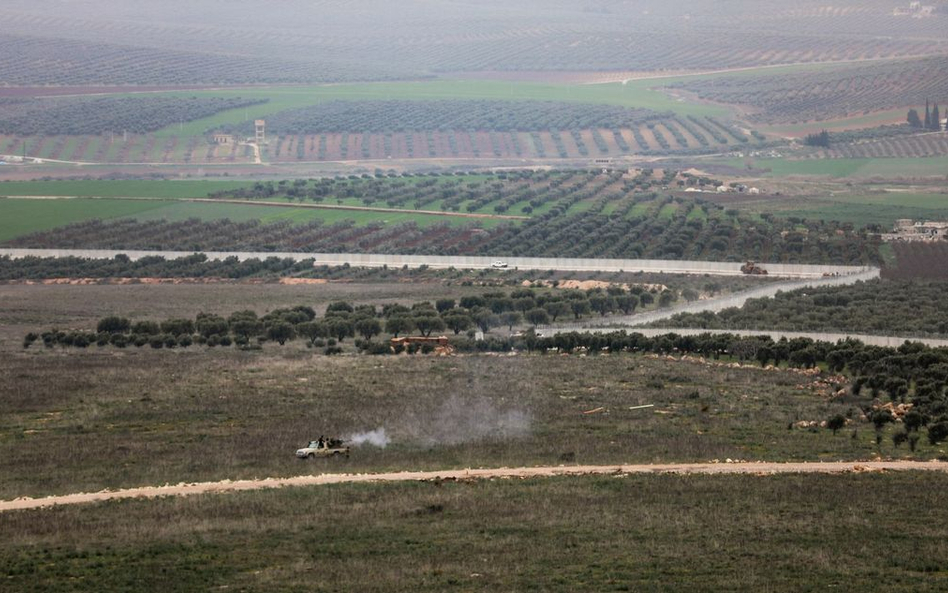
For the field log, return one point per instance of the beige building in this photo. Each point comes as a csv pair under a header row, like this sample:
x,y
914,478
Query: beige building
x,y
907,229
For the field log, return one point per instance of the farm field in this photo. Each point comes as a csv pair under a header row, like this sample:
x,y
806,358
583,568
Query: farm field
x,y
917,146
589,533
864,168
870,207
125,188
569,214
541,430
847,91
640,94
19,217
192,47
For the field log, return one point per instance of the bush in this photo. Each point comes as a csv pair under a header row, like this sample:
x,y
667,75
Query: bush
x,y
113,325
29,339
938,432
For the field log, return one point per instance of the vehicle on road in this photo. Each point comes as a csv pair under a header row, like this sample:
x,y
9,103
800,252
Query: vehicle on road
x,y
753,269
323,448
501,265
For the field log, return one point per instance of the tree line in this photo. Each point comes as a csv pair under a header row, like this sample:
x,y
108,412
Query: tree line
x,y
450,114
345,320
911,308
932,120
135,115
912,373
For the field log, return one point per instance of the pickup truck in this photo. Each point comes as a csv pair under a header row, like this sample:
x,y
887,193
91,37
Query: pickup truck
x,y
326,448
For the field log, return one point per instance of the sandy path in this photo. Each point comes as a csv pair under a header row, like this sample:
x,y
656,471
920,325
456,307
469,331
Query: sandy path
x,y
759,468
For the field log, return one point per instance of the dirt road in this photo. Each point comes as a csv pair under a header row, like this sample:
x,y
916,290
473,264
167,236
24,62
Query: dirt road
x,y
760,468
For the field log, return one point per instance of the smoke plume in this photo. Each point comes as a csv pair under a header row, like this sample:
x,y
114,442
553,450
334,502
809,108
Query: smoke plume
x,y
376,437
458,421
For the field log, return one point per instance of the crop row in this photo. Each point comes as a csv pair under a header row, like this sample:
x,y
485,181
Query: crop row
x,y
451,114
28,61
925,145
78,116
613,222
314,42
135,148
831,93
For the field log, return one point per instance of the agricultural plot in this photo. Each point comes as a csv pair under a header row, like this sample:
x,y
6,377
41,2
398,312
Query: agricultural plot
x,y
915,146
78,116
860,208
576,144
39,61
575,214
119,148
530,36
450,114
829,93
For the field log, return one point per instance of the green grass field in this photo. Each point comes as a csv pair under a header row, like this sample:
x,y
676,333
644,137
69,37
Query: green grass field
x,y
857,168
19,217
861,209
119,188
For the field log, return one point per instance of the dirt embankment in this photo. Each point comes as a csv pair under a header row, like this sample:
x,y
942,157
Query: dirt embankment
x,y
757,468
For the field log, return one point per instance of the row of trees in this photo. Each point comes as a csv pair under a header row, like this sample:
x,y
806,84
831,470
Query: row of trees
x,y
894,307
932,119
152,266
821,96
450,114
822,139
80,116
344,320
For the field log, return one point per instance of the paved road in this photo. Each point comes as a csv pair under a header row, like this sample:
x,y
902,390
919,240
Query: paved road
x,y
475,474
635,322
475,263
736,299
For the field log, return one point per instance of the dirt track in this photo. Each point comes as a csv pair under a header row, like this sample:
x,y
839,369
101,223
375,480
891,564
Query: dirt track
x,y
759,468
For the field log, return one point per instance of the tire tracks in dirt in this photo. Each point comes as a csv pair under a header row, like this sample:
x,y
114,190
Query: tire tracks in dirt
x,y
752,468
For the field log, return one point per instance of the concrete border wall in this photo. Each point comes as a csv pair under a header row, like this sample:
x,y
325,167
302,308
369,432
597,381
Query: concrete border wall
x,y
468,262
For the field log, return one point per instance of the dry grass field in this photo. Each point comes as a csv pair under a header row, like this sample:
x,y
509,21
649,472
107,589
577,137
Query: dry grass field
x,y
868,532
85,420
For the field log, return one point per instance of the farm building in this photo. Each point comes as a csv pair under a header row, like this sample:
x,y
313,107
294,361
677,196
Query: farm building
x,y
907,229
223,138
